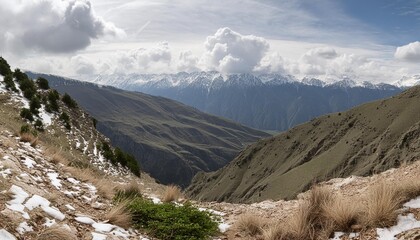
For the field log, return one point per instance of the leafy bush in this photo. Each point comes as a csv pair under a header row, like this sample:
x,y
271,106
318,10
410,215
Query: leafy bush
x,y
94,122
25,128
26,114
39,125
34,105
52,105
4,67
9,83
27,86
69,101
66,119
43,83
168,221
19,75
118,156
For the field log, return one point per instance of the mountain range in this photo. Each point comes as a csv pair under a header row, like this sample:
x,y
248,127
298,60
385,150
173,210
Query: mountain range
x,y
365,140
266,101
171,141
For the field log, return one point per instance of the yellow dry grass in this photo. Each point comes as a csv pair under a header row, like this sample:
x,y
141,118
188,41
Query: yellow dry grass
x,y
30,138
119,215
250,224
172,193
343,213
56,233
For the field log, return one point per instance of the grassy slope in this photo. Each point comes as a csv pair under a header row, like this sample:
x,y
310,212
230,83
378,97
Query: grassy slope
x,y
171,141
370,138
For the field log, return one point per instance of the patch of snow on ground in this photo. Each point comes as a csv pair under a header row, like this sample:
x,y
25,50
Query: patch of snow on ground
x,y
413,203
49,222
5,235
337,236
223,227
38,201
72,180
404,223
70,207
6,172
45,117
29,163
85,220
53,176
24,227
98,236
155,200
16,204
103,227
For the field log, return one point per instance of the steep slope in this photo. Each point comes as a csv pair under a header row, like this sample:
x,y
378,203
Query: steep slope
x,y
55,183
270,101
367,139
172,141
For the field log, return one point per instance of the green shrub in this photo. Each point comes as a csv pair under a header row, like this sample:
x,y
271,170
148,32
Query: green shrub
x,y
168,221
28,87
9,83
39,125
118,156
52,98
94,121
26,114
43,83
69,101
66,119
4,67
34,105
25,128
19,75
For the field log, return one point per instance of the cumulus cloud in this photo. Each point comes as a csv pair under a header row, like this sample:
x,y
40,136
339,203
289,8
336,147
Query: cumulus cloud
x,y
187,62
409,52
145,59
82,66
51,26
230,52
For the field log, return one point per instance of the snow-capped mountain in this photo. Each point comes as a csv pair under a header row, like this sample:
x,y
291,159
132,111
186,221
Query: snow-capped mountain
x,y
408,81
213,79
263,101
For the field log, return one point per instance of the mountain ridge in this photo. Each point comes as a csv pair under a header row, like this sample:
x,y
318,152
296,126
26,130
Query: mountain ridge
x,y
366,139
171,140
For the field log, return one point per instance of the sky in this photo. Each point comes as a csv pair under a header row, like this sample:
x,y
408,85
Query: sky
x,y
374,40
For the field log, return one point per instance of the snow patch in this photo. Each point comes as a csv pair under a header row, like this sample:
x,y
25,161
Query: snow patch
x,y
98,236
85,220
53,176
404,223
5,235
223,227
413,203
16,204
24,227
29,163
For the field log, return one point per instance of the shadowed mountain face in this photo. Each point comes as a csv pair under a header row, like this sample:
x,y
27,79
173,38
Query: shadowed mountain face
x,y
171,141
367,139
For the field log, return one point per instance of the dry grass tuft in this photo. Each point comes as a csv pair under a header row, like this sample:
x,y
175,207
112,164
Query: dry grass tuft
x,y
131,190
119,215
172,193
30,138
343,213
56,233
301,226
408,189
274,232
250,224
105,187
383,201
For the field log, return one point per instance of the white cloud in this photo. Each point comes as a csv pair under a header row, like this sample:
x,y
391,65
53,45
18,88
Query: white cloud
x,y
230,52
82,66
155,59
409,52
51,26
187,62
